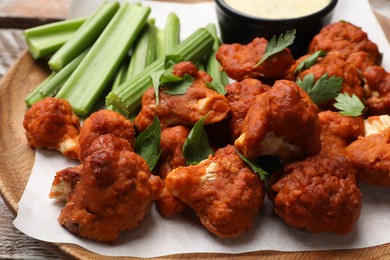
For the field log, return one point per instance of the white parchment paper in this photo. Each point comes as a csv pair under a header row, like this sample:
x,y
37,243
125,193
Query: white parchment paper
x,y
37,214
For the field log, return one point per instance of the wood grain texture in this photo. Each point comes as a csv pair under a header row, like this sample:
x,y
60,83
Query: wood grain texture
x,y
27,13
16,160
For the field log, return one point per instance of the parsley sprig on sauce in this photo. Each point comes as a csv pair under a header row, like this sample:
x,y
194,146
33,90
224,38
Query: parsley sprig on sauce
x,y
196,147
328,88
349,105
323,90
310,61
276,45
147,144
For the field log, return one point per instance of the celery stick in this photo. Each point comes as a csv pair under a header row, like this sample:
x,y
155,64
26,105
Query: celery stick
x,y
160,49
127,98
144,51
120,77
46,39
55,81
98,68
85,36
172,32
35,95
213,67
168,37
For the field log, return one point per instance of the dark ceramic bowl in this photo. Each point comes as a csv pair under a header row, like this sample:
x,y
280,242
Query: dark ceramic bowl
x,y
238,27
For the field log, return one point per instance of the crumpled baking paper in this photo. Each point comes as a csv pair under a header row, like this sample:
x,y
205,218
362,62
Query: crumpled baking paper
x,y
157,236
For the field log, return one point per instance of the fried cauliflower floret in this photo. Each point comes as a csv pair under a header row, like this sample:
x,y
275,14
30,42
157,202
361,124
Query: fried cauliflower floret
x,y
172,142
377,90
104,122
114,192
282,122
376,124
241,96
185,109
64,183
318,194
370,155
223,191
338,131
343,39
239,61
334,66
51,124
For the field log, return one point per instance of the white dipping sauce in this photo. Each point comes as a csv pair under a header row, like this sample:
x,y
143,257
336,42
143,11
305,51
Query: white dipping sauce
x,y
278,9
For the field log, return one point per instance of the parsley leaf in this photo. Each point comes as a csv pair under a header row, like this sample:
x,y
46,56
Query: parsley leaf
x,y
155,78
147,144
277,45
256,168
217,86
169,78
171,60
349,105
310,61
166,77
323,90
180,87
196,147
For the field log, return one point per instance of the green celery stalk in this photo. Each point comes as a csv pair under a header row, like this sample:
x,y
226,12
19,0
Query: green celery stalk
x,y
168,37
55,81
120,77
171,32
85,36
46,39
35,95
160,51
213,67
97,69
127,98
144,51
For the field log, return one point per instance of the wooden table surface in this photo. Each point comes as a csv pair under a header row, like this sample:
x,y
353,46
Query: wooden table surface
x,y
16,15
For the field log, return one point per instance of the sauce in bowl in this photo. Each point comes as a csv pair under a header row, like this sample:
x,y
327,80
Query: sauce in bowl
x,y
277,9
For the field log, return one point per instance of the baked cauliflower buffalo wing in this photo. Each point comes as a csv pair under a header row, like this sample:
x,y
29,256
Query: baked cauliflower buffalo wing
x,y
223,191
338,131
334,66
370,154
51,123
239,61
318,194
344,39
241,96
282,122
185,109
114,192
350,43
172,141
377,90
104,122
64,183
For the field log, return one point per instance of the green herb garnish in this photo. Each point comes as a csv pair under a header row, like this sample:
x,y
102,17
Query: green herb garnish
x,y
147,143
175,85
155,78
181,87
256,168
196,147
349,105
276,45
310,61
323,90
216,86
